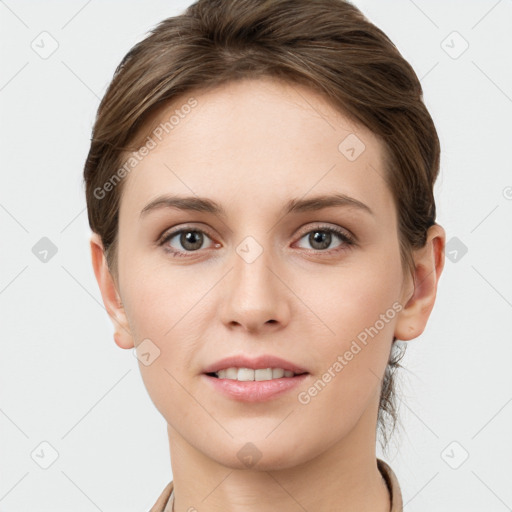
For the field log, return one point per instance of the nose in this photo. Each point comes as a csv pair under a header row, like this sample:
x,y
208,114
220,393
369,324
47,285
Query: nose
x,y
255,297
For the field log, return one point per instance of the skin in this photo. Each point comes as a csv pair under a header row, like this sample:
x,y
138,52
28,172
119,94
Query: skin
x,y
252,146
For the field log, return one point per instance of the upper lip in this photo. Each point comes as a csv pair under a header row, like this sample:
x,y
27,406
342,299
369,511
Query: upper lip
x,y
256,363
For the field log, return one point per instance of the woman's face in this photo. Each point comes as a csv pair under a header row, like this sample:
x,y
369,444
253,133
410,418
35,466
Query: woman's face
x,y
250,265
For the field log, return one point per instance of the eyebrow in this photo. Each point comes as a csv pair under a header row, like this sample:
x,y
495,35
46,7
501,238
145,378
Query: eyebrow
x,y
202,204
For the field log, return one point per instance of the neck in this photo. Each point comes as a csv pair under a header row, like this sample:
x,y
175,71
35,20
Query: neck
x,y
344,477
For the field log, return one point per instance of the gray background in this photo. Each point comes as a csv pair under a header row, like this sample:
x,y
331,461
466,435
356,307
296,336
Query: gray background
x,y
63,381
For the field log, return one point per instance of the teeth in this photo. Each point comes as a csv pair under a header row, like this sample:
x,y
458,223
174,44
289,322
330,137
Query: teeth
x,y
265,374
231,373
277,373
248,374
245,374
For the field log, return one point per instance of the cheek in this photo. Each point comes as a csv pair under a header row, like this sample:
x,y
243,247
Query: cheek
x,y
165,307
359,306
162,307
352,298
160,300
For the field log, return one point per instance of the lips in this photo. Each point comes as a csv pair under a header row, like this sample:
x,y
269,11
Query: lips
x,y
257,363
254,390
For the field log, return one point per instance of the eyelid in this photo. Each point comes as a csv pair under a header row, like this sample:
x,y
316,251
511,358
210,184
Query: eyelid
x,y
347,238
322,226
170,232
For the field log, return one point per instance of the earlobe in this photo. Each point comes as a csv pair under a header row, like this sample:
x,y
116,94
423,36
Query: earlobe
x,y
429,264
110,294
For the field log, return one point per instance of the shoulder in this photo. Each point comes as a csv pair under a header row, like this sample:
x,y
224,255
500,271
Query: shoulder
x,y
162,500
393,485
385,470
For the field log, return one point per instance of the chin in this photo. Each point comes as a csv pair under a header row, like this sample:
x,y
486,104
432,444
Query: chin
x,y
260,456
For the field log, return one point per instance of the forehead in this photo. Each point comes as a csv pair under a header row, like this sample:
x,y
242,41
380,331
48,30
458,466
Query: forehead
x,y
257,140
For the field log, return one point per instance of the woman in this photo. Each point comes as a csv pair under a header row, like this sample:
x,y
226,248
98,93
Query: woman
x,y
260,190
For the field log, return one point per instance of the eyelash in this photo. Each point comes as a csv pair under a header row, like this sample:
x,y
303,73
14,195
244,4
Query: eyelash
x,y
347,239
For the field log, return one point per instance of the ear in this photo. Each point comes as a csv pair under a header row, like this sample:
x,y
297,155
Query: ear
x,y
110,294
429,264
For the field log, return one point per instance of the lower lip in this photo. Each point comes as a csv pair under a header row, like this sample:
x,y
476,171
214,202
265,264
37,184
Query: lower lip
x,y
255,391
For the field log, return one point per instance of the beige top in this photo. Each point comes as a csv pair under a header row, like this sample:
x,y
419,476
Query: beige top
x,y
166,499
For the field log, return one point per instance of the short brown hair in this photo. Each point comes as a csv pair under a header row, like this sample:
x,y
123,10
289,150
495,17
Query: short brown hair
x,y
327,45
